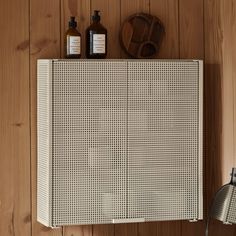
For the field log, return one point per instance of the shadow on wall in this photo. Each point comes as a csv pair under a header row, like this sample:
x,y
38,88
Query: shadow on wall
x,y
212,130
213,144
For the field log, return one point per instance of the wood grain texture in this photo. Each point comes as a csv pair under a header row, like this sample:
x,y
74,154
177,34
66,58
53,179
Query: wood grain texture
x,y
129,8
191,30
218,90
233,51
110,19
44,43
81,10
147,228
193,229
228,67
126,229
103,230
219,229
167,12
78,231
213,95
191,36
169,228
15,209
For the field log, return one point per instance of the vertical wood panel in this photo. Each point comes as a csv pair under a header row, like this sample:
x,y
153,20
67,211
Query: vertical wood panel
x,y
81,10
131,7
234,72
218,101
191,30
193,229
78,231
103,230
44,43
167,229
147,228
228,44
110,18
167,11
15,215
126,229
228,18
212,96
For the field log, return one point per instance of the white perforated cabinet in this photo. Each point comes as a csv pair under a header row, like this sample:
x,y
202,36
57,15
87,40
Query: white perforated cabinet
x,y
119,141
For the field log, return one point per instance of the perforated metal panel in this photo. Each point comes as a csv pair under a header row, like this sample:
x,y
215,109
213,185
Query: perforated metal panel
x,y
44,177
89,142
119,141
163,140
231,216
221,204
224,205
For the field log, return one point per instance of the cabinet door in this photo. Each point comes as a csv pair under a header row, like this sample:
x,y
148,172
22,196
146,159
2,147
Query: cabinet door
x,y
89,142
163,140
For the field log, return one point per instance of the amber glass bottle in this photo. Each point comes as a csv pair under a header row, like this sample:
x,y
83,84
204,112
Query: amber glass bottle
x,y
72,40
96,39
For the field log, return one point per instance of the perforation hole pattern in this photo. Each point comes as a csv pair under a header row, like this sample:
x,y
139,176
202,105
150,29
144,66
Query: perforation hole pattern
x,y
43,144
231,217
163,140
89,142
125,141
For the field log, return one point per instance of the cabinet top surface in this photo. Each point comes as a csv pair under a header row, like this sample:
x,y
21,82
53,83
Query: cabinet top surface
x,y
122,60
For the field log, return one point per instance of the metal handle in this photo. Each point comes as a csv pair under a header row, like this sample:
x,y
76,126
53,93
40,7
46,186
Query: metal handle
x,y
130,220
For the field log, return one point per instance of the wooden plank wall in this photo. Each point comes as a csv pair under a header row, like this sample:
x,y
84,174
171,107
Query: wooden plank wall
x,y
32,29
15,198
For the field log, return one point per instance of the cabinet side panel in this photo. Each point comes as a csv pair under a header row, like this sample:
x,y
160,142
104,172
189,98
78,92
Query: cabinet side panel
x,y
43,142
200,152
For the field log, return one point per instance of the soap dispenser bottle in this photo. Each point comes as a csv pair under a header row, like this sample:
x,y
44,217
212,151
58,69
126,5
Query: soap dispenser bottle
x,y
72,40
96,38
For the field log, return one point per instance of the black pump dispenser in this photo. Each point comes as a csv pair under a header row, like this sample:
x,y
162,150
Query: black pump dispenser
x,y
72,22
96,17
96,38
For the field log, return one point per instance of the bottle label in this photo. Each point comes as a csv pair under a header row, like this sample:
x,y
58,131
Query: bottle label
x,y
73,45
99,43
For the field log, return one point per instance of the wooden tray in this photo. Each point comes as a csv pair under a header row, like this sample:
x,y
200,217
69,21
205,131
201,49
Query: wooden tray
x,y
141,35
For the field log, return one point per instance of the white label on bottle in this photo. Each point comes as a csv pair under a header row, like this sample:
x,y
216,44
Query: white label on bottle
x,y
99,43
73,45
